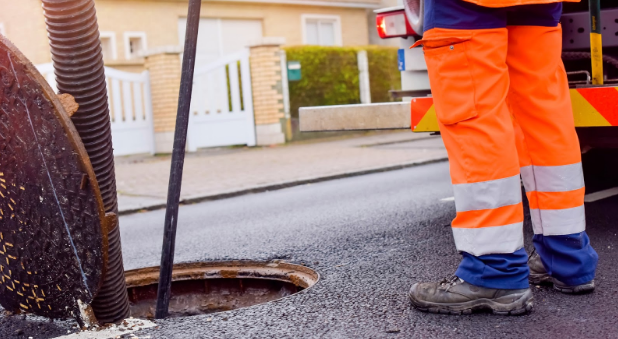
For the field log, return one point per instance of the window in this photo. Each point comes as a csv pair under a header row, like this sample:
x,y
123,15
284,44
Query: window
x,y
134,44
323,30
108,45
2,30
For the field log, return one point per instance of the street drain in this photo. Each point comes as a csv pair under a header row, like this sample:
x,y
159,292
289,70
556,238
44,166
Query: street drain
x,y
209,287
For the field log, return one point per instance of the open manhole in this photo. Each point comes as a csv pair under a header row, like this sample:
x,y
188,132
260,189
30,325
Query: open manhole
x,y
209,287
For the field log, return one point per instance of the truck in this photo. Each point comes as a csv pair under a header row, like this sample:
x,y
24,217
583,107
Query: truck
x,y
595,105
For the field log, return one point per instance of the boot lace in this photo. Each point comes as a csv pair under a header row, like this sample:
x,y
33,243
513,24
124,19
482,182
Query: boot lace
x,y
449,282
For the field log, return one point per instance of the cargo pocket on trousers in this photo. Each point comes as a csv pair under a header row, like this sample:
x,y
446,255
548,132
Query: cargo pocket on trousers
x,y
451,81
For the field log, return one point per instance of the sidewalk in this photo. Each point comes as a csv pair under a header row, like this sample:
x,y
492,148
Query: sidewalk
x,y
222,172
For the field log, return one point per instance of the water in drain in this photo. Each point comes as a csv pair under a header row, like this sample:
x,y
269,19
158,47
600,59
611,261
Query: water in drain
x,y
208,287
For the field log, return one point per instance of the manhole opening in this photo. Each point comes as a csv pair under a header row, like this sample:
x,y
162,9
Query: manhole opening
x,y
209,287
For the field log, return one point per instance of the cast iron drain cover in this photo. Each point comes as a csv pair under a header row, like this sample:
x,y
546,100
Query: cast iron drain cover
x,y
209,287
52,238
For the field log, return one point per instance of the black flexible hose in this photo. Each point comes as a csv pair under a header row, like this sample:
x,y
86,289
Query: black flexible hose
x,y
78,62
585,55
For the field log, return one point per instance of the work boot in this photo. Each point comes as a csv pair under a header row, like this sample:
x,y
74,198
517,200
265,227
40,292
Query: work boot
x,y
455,296
539,275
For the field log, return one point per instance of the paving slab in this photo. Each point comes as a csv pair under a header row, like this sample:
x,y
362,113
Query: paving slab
x,y
223,172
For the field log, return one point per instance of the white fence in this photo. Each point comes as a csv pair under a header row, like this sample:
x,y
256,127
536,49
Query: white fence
x,y
222,104
130,109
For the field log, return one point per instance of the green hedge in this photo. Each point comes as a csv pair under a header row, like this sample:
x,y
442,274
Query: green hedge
x,y
330,75
384,74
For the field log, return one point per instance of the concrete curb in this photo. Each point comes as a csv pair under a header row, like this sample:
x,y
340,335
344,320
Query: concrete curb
x,y
279,186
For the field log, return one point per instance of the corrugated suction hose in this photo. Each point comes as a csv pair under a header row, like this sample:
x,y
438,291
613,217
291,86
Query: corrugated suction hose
x,y
78,62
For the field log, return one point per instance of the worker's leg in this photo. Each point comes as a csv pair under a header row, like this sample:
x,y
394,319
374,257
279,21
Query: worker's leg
x,y
465,50
549,152
469,81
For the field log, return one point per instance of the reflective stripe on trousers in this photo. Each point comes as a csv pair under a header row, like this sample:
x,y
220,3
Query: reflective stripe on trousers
x,y
556,197
493,205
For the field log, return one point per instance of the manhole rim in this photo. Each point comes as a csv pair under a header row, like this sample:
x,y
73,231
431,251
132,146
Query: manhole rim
x,y
298,275
145,276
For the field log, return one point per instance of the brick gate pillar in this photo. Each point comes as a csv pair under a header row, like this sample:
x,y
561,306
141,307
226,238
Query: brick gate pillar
x,y
266,85
163,64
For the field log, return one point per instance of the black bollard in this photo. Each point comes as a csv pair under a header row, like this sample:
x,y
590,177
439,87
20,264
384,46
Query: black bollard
x,y
178,159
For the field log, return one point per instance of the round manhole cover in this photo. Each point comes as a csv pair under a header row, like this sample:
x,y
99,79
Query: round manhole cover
x,y
52,223
208,287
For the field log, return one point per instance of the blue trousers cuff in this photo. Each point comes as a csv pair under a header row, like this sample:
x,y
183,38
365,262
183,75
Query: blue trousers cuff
x,y
568,258
502,271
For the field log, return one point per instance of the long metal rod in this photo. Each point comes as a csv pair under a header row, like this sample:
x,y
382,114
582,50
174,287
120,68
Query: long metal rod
x,y
596,42
178,159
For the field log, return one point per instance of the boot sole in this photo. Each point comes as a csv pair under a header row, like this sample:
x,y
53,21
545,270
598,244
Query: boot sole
x,y
499,306
540,279
546,279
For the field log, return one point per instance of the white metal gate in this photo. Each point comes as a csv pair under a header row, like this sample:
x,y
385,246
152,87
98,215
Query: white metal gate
x,y
222,104
130,106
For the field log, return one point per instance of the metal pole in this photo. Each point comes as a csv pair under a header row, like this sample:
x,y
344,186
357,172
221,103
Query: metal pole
x,y
178,158
596,42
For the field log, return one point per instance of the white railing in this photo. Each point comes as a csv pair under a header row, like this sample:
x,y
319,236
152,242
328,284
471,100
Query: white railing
x,y
130,106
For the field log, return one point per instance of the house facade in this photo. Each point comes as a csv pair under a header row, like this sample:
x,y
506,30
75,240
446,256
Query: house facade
x,y
147,35
131,27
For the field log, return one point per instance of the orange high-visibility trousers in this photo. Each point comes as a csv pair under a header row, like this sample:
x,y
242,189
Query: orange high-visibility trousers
x,y
502,102
504,109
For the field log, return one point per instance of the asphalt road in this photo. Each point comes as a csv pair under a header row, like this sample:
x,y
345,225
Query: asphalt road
x,y
370,238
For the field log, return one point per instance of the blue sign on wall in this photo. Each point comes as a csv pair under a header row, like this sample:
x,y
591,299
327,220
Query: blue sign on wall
x,y
401,59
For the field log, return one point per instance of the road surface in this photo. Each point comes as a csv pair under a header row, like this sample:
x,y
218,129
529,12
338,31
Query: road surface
x,y
370,237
